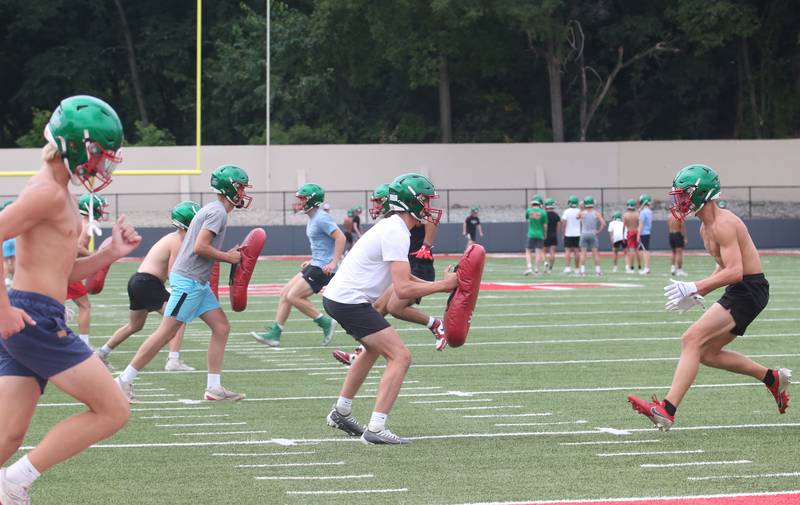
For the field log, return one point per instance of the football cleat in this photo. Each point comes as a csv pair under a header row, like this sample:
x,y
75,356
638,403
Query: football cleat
x,y
328,327
780,388
347,358
104,359
653,410
127,390
346,423
527,272
177,365
438,333
382,437
10,493
219,393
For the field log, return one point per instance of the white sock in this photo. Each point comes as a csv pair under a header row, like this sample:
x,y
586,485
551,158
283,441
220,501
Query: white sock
x,y
129,374
105,350
174,355
344,405
22,473
280,326
529,266
316,319
431,320
84,338
214,380
597,268
377,422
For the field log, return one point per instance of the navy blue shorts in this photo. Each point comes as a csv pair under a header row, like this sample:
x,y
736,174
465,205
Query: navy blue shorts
x,y
44,350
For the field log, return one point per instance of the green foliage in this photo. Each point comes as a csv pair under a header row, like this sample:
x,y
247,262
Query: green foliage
x,y
151,135
35,137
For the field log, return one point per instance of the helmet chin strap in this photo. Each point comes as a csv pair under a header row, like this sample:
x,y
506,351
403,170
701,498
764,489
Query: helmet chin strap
x,y
93,228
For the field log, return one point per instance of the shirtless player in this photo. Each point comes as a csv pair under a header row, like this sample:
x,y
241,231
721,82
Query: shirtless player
x,y
677,241
695,190
631,221
84,136
146,291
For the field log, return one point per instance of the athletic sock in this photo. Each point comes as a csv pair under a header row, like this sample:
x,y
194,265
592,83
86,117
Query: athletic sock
x,y
279,325
104,351
377,422
84,338
344,405
22,473
214,380
670,408
431,320
129,375
174,355
769,379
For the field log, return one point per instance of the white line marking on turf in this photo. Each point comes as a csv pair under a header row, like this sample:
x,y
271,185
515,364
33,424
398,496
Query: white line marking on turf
x,y
647,453
139,390
149,409
613,431
349,491
486,416
284,465
454,401
648,499
185,417
759,476
695,463
221,433
612,442
198,424
579,421
322,477
262,454
156,395
493,407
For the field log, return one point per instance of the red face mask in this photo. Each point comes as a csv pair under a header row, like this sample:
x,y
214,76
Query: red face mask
x,y
377,207
100,165
243,200
299,204
682,204
430,214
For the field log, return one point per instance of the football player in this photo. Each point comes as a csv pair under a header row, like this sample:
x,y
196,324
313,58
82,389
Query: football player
x,y
378,260
616,235
631,221
537,229
571,233
645,226
191,294
695,189
146,291
592,223
677,241
472,226
9,252
327,245
551,238
84,136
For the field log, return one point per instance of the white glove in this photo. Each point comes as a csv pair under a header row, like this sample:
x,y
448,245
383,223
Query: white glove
x,y
684,304
678,289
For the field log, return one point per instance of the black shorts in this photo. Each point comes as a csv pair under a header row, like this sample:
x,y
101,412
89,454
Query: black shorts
x,y
316,278
348,237
535,243
676,240
146,292
358,319
745,300
572,242
472,235
422,269
645,241
551,241
620,245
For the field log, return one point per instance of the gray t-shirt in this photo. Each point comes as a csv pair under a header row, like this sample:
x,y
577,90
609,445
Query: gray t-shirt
x,y
212,217
589,223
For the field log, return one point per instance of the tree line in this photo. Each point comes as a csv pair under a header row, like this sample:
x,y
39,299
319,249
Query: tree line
x,y
406,71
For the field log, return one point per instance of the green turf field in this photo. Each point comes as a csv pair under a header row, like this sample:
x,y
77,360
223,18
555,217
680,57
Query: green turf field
x,y
532,407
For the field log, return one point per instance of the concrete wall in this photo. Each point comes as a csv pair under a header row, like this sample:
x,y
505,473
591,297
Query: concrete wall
x,y
499,237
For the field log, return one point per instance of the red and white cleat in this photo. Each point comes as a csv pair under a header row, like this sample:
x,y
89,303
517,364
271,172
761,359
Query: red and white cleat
x,y
347,358
438,332
780,388
653,410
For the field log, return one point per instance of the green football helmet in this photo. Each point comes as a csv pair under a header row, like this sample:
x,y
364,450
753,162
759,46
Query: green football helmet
x,y
631,204
413,193
572,201
588,201
692,188
183,213
645,199
380,200
549,203
617,215
94,202
310,196
6,204
231,182
537,198
88,135
722,204
350,213
474,209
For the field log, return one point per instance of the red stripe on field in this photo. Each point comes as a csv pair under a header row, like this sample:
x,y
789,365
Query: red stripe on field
x,y
780,499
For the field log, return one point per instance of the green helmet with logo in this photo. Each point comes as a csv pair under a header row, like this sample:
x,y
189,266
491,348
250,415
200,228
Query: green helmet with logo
x,y
692,188
645,199
310,196
380,200
537,198
413,193
588,201
231,182
549,203
94,201
631,203
722,204
572,201
183,213
474,209
88,135
617,215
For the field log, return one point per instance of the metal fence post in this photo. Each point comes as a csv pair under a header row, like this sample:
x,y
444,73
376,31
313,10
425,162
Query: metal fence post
x,y
603,201
283,206
750,202
525,204
447,195
116,206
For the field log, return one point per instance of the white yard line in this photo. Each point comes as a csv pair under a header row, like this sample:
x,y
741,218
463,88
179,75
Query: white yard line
x,y
492,407
649,499
579,421
286,465
695,463
262,454
218,433
150,409
758,476
185,417
647,453
612,442
198,424
321,477
453,401
348,491
487,416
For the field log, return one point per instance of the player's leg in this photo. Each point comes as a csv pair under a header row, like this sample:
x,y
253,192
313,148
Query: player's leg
x,y
18,398
312,281
84,317
174,361
404,309
298,295
582,263
679,261
529,269
136,320
382,303
90,383
272,335
220,328
596,258
552,256
539,256
567,256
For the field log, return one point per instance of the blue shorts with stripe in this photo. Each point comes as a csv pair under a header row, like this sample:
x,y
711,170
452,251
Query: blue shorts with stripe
x,y
189,298
44,349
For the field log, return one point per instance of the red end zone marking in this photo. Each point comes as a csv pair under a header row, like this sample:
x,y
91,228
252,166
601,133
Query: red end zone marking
x,y
763,499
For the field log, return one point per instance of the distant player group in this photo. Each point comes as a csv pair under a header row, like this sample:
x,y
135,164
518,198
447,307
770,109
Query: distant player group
x,y
388,270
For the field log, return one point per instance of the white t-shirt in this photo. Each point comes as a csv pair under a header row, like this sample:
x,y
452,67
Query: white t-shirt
x,y
365,272
573,227
617,230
